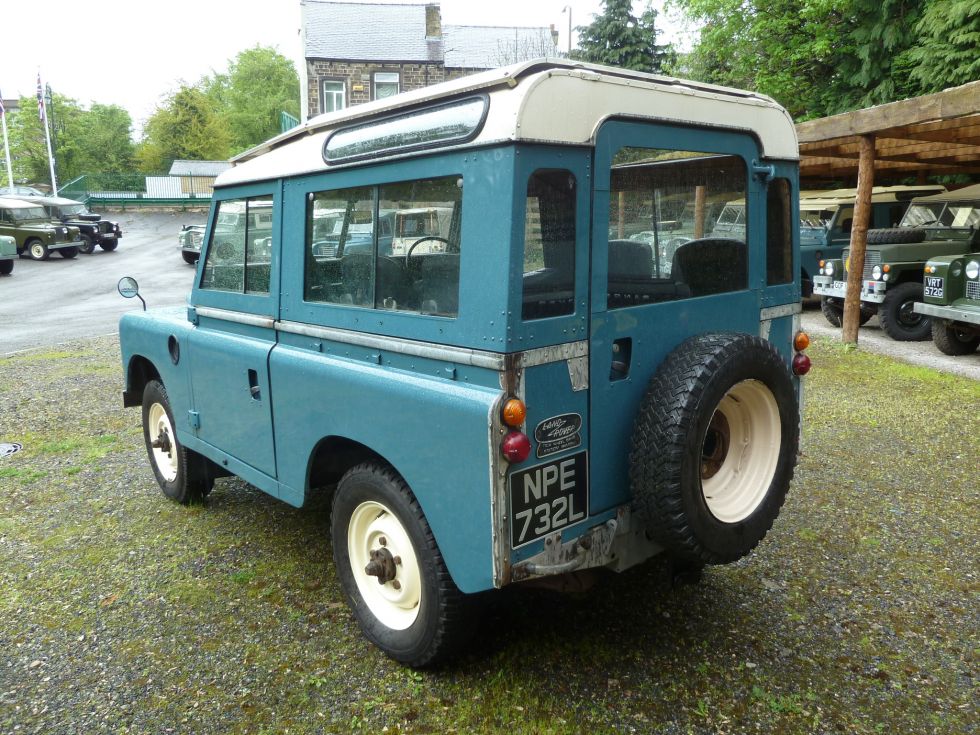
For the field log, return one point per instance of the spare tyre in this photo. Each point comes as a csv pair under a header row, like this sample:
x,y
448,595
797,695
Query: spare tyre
x,y
714,446
895,235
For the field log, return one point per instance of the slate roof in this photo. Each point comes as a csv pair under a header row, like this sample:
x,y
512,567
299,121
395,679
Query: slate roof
x,y
368,32
198,168
362,31
487,47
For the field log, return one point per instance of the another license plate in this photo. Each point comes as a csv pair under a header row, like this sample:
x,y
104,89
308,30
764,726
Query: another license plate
x,y
933,287
548,497
840,285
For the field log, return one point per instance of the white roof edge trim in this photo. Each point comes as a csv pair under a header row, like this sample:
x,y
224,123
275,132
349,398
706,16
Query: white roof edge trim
x,y
523,100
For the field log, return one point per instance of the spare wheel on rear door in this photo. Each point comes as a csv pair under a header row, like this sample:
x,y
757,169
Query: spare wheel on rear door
x,y
714,446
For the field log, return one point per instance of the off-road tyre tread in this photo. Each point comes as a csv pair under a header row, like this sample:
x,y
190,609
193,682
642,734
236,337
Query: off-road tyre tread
x,y
895,235
895,296
456,610
669,413
834,312
946,341
88,245
193,481
6,267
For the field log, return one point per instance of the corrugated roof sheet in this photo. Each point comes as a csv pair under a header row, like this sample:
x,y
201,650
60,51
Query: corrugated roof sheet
x,y
487,47
198,168
368,32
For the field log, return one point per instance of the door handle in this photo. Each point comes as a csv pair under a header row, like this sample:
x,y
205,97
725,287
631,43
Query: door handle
x,y
253,385
622,351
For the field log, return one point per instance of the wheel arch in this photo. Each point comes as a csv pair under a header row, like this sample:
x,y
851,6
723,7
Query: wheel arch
x,y
139,372
333,455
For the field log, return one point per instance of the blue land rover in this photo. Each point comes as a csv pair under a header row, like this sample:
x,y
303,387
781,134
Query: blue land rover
x,y
521,391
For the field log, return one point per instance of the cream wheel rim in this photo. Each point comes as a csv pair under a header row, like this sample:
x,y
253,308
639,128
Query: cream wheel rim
x,y
162,442
395,603
740,451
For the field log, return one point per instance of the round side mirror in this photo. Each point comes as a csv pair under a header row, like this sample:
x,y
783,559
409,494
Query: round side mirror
x,y
128,287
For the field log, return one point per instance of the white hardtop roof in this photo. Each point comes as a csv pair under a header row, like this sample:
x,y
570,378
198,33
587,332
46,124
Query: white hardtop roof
x,y
546,100
16,203
57,201
879,194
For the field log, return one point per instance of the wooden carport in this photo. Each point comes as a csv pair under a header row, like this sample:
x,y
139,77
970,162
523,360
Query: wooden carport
x,y
933,135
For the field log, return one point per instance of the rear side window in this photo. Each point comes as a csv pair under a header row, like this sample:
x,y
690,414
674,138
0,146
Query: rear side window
x,y
394,246
239,255
549,245
779,236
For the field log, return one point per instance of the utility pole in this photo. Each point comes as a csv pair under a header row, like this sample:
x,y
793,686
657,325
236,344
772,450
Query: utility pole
x,y
568,9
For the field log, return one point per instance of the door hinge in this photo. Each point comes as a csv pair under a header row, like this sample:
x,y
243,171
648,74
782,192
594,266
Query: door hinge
x,y
195,419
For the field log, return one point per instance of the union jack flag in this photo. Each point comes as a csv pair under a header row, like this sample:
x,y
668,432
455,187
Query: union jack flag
x,y
40,98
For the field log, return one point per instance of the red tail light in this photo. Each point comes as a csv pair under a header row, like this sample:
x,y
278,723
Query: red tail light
x,y
516,447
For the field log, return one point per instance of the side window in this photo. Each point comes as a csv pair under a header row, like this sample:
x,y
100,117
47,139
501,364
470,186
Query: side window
x,y
240,251
779,236
394,246
549,245
677,226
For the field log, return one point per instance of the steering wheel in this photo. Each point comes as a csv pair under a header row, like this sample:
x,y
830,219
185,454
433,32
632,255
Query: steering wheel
x,y
423,239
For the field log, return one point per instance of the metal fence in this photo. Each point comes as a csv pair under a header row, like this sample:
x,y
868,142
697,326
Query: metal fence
x,y
140,190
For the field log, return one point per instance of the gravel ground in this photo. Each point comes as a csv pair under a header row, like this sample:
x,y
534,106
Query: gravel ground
x,y
121,612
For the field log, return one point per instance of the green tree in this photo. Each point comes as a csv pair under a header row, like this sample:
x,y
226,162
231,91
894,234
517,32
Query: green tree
x,y
617,37
189,125
84,141
948,51
261,82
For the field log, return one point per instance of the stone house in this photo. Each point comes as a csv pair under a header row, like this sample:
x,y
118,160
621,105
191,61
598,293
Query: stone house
x,y
359,51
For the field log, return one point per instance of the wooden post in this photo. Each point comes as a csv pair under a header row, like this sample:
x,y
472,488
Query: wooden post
x,y
699,201
859,239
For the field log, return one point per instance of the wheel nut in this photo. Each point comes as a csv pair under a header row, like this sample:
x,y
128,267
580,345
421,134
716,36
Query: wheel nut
x,y
396,584
383,541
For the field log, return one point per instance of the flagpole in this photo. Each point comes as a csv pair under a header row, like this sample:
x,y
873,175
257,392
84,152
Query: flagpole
x,y
47,134
6,143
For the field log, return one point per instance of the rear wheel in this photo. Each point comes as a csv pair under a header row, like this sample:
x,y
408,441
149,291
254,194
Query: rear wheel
x,y
391,569
181,473
714,446
898,317
953,341
38,250
833,310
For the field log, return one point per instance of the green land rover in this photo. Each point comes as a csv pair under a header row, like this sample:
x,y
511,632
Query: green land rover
x,y
34,233
8,253
951,298
895,260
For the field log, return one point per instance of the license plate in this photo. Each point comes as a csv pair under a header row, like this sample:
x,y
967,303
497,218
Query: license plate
x,y
933,287
840,285
548,497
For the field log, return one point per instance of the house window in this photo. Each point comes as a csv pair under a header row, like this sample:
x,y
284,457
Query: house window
x,y
386,84
332,96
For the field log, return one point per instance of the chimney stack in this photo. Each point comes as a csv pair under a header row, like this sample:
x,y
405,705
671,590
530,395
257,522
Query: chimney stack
x,y
433,21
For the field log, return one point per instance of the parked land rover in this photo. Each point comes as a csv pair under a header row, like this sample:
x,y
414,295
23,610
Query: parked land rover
x,y
951,299
531,398
894,265
93,230
190,239
36,236
825,226
8,253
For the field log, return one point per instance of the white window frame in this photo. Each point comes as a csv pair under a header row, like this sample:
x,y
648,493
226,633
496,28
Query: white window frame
x,y
340,91
386,78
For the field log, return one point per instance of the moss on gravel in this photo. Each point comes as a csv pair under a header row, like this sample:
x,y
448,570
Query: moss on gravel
x,y
122,612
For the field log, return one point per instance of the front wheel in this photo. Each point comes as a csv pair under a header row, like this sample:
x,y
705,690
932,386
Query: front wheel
x,y
391,569
38,250
6,267
68,253
190,258
898,317
953,341
87,245
108,245
181,473
714,447
833,311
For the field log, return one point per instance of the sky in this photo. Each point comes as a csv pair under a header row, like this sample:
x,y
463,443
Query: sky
x,y
132,53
